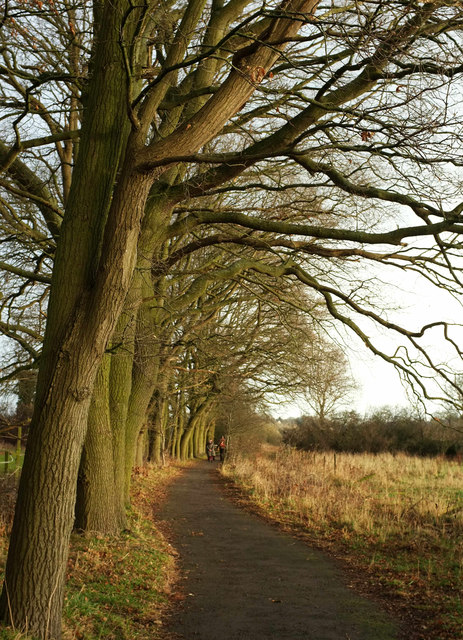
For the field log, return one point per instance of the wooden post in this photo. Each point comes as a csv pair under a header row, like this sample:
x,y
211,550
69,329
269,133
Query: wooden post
x,y
18,447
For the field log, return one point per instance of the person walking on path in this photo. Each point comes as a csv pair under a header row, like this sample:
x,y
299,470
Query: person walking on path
x,y
222,448
210,450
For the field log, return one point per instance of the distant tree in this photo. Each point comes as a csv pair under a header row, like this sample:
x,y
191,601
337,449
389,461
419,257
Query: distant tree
x,y
385,429
243,425
330,385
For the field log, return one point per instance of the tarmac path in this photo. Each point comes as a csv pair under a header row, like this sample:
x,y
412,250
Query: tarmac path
x,y
245,580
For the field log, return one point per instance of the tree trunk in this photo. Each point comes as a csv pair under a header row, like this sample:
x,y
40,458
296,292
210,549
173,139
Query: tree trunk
x,y
85,300
199,442
141,377
33,588
96,499
158,424
120,385
197,416
179,421
145,375
141,448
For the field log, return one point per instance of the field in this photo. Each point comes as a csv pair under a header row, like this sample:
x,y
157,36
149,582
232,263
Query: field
x,y
399,519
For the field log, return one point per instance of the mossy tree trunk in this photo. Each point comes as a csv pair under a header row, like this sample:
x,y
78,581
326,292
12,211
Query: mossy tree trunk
x,y
96,495
85,301
120,384
117,165
198,415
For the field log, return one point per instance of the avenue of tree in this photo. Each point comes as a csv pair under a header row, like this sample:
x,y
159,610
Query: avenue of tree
x,y
192,195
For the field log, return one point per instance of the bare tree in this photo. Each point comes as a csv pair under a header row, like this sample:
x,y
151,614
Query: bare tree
x,y
330,385
117,163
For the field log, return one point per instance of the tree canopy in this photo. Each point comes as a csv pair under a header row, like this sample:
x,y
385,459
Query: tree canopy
x,y
347,154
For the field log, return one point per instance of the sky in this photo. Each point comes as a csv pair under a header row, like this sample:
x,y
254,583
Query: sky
x,y
417,303
379,384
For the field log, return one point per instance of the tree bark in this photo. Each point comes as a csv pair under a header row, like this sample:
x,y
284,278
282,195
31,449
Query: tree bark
x,y
96,496
141,448
120,385
45,509
93,268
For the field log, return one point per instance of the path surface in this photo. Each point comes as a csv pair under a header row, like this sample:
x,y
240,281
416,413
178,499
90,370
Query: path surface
x,y
245,580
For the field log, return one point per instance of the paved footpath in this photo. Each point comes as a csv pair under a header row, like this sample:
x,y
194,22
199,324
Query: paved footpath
x,y
245,580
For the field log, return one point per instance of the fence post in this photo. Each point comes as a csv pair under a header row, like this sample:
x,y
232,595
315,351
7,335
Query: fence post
x,y
18,447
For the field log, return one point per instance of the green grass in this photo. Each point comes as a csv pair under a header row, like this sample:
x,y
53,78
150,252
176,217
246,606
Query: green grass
x,y
14,463
117,587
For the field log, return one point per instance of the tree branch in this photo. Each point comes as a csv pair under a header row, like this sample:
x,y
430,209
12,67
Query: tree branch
x,y
394,237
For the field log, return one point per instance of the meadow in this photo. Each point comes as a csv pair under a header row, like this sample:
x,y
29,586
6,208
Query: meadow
x,y
397,518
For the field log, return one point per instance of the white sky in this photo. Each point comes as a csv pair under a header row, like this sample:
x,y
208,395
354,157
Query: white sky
x,y
379,382
417,303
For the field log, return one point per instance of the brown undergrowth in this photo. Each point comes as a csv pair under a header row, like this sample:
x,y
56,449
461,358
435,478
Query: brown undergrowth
x,y
118,587
395,522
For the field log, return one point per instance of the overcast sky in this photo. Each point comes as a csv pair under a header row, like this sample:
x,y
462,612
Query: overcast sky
x,y
417,303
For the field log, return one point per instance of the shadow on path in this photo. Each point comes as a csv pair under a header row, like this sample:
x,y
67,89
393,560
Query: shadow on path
x,y
245,580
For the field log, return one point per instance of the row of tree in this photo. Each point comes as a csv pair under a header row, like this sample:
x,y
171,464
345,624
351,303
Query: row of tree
x,y
192,193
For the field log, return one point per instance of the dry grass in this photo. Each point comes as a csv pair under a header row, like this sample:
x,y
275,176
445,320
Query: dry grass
x,y
378,495
117,587
401,516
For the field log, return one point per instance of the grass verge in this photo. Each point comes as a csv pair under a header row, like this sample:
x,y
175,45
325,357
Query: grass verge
x,y
396,521
118,587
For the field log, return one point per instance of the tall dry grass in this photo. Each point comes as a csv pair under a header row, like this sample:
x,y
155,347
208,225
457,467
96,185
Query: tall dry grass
x,y
380,495
403,514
